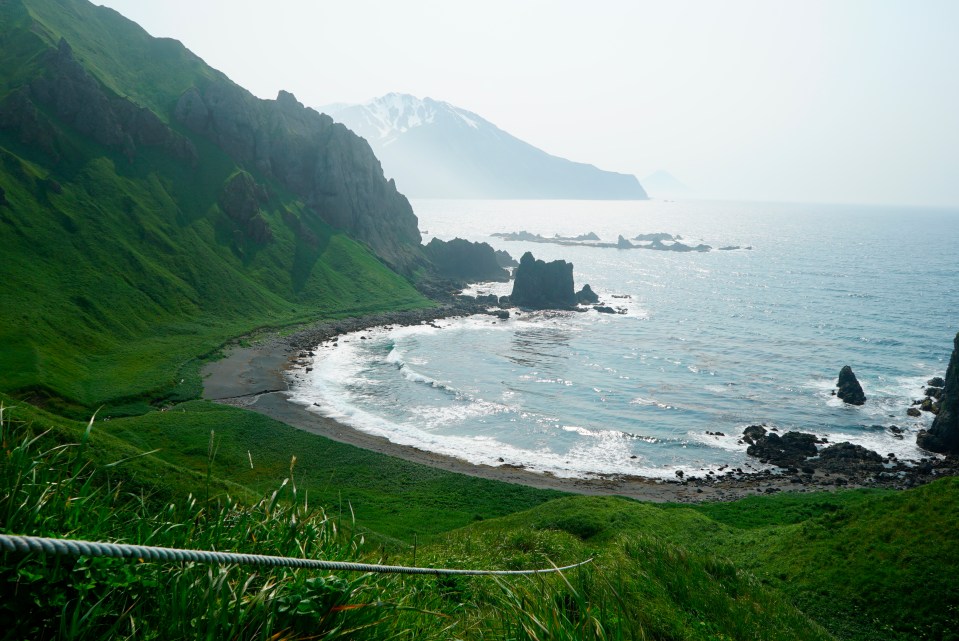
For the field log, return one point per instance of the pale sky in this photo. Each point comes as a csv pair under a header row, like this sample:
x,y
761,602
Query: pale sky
x,y
815,101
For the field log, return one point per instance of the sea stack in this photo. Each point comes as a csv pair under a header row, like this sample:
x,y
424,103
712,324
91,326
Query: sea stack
x,y
542,285
850,391
943,436
586,296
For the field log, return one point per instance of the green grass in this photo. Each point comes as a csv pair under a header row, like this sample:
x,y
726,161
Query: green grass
x,y
119,272
118,278
853,564
397,499
639,585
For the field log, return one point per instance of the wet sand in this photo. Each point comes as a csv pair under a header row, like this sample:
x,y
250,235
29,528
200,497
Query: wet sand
x,y
254,378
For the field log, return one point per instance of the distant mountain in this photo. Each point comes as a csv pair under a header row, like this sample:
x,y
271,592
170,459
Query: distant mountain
x,y
436,150
662,184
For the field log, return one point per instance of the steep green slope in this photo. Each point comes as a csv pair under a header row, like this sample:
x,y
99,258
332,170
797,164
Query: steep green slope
x,y
130,246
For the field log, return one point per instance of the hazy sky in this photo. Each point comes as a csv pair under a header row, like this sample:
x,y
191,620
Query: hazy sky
x,y
833,101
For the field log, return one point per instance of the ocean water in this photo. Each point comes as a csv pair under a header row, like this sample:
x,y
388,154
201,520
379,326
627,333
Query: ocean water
x,y
710,342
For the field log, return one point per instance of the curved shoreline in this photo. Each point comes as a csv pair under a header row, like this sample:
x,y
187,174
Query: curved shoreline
x,y
254,378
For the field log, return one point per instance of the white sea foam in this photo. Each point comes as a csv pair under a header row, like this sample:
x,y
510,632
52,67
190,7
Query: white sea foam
x,y
558,391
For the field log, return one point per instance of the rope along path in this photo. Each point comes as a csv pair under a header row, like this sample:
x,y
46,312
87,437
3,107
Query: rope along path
x,y
73,547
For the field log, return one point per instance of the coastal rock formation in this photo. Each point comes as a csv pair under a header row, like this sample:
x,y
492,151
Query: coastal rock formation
x,y
542,285
844,457
465,260
660,236
943,436
503,259
799,449
332,169
586,296
850,391
647,241
792,448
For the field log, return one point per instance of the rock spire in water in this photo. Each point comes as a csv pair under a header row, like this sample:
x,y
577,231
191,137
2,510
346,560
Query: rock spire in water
x,y
850,391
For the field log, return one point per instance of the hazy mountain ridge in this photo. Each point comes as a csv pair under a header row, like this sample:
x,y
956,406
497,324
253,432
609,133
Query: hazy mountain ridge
x,y
437,150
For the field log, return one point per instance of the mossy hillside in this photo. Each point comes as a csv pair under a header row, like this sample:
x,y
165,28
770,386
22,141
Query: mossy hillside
x,y
151,71
865,564
123,261
872,564
111,287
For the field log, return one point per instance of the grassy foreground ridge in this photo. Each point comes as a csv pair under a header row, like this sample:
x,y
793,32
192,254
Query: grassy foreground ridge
x,y
857,564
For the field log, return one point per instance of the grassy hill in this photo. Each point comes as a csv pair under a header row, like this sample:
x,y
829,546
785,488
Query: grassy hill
x,y
127,255
847,565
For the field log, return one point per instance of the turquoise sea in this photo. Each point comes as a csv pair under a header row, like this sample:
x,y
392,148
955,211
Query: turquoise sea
x,y
710,342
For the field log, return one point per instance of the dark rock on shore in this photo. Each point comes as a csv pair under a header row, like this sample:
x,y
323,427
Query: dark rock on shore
x,y
943,436
843,457
850,391
465,260
936,381
542,285
934,392
753,433
586,296
792,448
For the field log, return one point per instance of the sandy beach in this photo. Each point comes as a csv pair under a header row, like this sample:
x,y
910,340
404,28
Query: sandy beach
x,y
255,378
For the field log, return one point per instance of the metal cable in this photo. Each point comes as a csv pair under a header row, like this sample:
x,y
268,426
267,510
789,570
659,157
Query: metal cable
x,y
71,547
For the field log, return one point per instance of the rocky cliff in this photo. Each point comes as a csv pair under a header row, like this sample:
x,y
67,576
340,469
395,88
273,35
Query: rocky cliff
x,y
943,436
332,169
65,90
127,91
542,285
464,260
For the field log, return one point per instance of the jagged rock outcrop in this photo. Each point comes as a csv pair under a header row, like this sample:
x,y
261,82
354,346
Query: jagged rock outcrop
x,y
792,448
850,391
464,260
844,457
505,260
332,169
943,436
622,243
240,201
77,99
586,296
542,285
